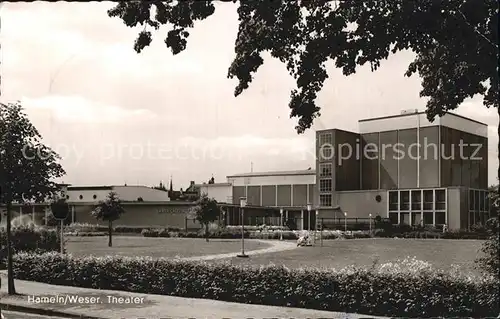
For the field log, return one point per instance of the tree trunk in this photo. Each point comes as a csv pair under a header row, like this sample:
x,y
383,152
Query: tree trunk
x,y
498,156
206,232
10,273
110,233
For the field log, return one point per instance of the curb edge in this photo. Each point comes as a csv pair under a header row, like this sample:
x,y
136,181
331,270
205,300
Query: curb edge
x,y
44,312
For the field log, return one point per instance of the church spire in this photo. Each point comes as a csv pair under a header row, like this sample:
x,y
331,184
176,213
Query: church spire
x,y
171,186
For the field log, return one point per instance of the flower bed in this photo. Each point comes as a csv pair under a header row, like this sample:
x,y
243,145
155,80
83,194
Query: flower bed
x,y
409,288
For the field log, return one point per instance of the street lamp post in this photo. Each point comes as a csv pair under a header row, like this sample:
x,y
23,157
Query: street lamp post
x,y
281,226
243,203
345,222
370,224
316,227
309,217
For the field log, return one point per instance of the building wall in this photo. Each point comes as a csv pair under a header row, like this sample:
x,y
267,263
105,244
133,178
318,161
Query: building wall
x,y
388,160
87,195
415,120
284,195
300,195
131,193
370,161
455,208
275,195
347,160
253,196
125,193
269,195
222,193
359,204
468,169
273,179
430,151
141,216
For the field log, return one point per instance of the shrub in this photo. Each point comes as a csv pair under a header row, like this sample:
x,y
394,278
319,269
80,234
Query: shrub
x,y
29,239
490,261
409,288
85,234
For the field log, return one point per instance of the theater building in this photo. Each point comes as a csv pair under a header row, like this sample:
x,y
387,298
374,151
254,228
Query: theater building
x,y
407,169
400,167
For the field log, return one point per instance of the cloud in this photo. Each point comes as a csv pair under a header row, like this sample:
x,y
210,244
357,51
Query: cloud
x,y
79,109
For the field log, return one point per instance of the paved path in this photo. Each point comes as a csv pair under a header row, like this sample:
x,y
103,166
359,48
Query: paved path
x,y
106,304
276,246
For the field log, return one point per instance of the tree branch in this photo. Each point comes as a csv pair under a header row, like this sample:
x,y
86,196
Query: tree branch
x,y
477,31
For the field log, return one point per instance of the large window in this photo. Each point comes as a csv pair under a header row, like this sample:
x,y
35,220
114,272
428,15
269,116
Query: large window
x,y
325,170
404,200
418,206
428,199
440,199
416,200
325,200
393,217
393,201
479,207
325,185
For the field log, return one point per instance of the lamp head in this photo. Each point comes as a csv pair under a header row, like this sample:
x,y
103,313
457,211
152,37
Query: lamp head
x,y
345,213
243,201
308,207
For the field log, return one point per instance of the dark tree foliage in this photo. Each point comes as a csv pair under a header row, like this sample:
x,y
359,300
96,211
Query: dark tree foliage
x,y
455,42
110,210
206,211
27,168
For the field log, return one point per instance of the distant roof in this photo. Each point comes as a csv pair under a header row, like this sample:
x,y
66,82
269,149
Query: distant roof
x,y
276,173
90,188
214,184
409,114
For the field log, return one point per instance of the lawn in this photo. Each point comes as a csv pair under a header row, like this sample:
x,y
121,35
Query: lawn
x,y
441,253
157,247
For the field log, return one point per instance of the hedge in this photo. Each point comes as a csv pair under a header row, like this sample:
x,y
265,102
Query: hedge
x,y
87,228
85,234
235,233
409,288
29,239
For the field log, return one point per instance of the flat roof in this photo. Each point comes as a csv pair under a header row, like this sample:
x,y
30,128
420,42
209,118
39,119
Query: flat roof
x,y
276,173
410,114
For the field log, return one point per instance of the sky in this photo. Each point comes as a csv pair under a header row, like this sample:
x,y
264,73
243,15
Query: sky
x,y
119,117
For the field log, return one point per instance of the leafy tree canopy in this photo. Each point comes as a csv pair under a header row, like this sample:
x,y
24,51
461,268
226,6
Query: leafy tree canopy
x,y
27,167
110,209
455,42
206,210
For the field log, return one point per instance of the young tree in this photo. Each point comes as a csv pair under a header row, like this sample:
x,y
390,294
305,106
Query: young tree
x,y
455,43
206,211
109,210
27,168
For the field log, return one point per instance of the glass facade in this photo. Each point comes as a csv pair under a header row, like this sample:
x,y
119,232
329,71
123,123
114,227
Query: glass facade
x,y
418,206
479,207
